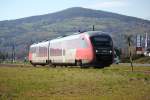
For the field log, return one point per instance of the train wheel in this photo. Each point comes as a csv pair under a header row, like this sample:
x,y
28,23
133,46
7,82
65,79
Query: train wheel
x,y
65,66
50,65
42,65
79,63
34,65
53,65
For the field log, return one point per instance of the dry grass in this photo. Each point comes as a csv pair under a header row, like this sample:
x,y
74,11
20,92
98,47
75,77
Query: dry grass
x,y
115,82
143,60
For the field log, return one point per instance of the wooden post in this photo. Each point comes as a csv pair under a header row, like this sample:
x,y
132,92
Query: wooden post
x,y
93,28
130,54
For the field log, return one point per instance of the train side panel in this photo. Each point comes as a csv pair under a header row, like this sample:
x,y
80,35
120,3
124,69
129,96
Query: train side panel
x,y
39,53
70,49
63,50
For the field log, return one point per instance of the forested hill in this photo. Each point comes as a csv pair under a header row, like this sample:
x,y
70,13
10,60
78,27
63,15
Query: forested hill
x,y
22,32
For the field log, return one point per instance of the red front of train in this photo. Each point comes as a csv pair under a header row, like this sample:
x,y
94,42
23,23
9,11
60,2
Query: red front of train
x,y
85,54
99,49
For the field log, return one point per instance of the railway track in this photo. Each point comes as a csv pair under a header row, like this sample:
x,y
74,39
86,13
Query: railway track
x,y
29,65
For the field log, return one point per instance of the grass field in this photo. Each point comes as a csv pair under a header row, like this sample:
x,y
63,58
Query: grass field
x,y
143,60
110,83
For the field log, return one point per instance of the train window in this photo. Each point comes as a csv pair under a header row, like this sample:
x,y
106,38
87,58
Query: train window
x,y
32,49
84,43
43,51
55,52
56,49
101,41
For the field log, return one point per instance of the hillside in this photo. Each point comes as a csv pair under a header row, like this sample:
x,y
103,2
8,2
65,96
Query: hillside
x,y
23,32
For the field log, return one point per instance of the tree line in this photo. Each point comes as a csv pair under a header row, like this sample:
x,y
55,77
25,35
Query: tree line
x,y
4,56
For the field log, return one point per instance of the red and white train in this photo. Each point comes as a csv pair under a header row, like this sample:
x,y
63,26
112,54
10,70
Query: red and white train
x,y
87,48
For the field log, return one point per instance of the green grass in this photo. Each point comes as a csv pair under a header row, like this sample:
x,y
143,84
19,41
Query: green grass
x,y
110,83
143,60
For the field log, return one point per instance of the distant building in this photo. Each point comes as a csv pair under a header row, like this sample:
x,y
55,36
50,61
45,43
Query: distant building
x,y
142,43
139,48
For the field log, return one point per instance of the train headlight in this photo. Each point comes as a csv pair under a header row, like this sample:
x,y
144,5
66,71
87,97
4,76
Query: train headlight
x,y
110,51
96,51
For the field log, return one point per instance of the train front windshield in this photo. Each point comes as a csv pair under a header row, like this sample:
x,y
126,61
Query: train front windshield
x,y
101,41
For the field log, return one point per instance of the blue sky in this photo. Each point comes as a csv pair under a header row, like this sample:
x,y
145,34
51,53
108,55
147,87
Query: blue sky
x,y
14,9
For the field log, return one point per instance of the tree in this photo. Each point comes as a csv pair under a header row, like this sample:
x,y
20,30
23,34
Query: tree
x,y
129,42
3,56
118,51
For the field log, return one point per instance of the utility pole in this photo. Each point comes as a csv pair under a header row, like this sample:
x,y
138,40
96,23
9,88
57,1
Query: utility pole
x,y
146,42
129,41
129,44
93,28
13,52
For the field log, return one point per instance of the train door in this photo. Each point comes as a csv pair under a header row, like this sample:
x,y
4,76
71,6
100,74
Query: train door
x,y
63,56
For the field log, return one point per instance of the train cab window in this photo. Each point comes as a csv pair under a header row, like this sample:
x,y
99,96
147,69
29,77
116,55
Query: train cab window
x,y
102,41
84,43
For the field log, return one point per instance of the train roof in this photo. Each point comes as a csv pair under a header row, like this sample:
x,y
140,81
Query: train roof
x,y
40,43
77,35
90,33
93,33
74,35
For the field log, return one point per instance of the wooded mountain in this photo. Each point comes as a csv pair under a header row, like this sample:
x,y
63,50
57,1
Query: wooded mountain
x,y
25,31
